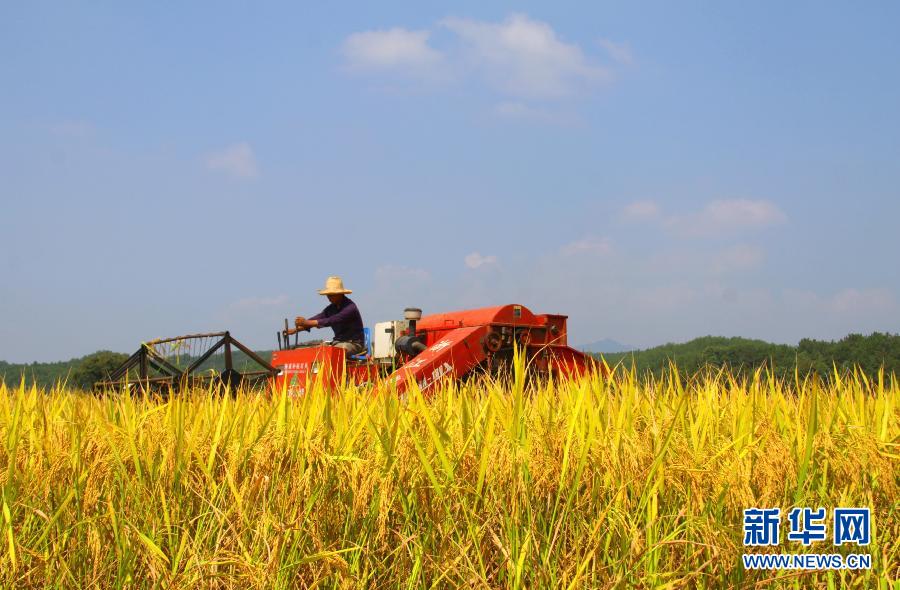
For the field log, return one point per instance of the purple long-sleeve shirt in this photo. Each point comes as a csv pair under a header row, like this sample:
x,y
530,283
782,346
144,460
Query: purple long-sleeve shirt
x,y
344,319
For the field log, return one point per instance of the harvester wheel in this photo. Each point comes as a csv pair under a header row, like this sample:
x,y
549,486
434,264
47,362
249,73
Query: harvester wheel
x,y
230,379
492,342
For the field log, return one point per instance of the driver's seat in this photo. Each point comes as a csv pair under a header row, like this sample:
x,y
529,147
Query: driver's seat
x,y
367,342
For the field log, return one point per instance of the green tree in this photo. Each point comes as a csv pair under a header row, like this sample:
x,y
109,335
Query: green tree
x,y
96,367
869,353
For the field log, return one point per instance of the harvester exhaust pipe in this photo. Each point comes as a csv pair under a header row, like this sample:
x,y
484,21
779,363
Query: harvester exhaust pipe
x,y
410,344
412,315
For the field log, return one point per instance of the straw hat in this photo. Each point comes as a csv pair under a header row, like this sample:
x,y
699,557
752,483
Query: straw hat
x,y
334,286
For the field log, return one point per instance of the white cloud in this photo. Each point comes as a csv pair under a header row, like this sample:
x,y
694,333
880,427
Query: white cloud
x,y
476,260
619,52
724,216
235,160
641,210
525,58
589,245
395,49
521,58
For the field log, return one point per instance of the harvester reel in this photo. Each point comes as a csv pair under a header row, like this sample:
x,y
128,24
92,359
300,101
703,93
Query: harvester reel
x,y
180,362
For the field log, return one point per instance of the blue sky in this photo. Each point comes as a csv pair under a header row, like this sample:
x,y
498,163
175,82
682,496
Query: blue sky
x,y
657,171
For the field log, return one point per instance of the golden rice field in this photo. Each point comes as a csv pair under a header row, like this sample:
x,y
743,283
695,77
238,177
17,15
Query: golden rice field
x,y
597,483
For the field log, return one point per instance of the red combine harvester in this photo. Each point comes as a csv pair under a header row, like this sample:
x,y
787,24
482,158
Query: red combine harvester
x,y
428,349
424,350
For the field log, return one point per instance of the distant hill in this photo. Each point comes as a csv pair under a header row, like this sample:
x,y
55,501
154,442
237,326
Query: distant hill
x,y
870,353
606,345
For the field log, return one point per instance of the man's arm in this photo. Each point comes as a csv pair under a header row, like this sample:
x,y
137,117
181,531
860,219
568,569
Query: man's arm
x,y
312,322
301,323
342,316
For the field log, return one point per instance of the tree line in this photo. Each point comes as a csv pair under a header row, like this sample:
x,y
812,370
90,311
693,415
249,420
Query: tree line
x,y
869,353
85,371
742,355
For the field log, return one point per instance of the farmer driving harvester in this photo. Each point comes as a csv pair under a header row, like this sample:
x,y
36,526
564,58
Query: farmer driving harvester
x,y
341,315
